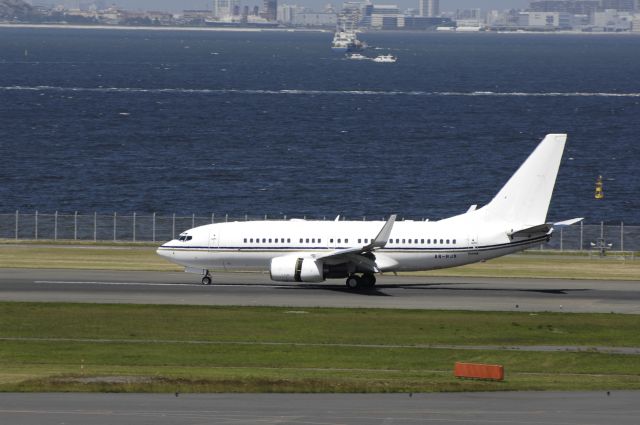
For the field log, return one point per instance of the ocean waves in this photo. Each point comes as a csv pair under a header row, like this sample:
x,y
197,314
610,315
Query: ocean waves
x,y
302,92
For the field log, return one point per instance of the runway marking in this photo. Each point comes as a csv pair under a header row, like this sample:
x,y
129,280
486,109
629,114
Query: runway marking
x,y
528,348
183,285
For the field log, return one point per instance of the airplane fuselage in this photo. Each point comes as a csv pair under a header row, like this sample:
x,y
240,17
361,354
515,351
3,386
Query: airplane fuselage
x,y
412,245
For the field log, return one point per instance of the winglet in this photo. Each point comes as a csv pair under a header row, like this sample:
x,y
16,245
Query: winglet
x,y
381,240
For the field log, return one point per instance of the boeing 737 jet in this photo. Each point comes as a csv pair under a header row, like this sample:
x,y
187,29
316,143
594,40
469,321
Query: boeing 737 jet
x,y
313,251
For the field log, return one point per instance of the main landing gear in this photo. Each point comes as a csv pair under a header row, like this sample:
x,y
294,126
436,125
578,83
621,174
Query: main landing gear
x,y
206,280
366,281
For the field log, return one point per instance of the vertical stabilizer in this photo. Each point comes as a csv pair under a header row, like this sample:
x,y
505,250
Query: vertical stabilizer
x,y
526,196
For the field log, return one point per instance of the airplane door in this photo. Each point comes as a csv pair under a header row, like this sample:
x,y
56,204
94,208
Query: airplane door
x,y
214,239
473,244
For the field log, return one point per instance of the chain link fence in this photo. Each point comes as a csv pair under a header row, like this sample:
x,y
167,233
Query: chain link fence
x,y
157,228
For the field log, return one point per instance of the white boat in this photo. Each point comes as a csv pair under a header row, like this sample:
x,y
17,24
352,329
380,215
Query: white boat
x,y
385,59
357,57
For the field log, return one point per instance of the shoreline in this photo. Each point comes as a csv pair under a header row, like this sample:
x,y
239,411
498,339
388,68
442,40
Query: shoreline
x,y
302,30
161,28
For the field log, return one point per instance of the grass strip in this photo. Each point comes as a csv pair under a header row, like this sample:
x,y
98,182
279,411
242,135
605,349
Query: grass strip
x,y
243,363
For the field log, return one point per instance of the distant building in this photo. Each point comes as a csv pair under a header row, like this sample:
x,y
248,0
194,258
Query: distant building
x,y
582,7
620,5
315,19
270,10
612,20
286,13
352,14
429,8
426,23
196,15
382,16
223,9
544,20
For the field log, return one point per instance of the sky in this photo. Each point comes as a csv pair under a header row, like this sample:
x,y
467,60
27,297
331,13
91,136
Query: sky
x,y
445,5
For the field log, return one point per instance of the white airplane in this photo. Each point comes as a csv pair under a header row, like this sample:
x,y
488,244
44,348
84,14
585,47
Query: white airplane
x,y
312,251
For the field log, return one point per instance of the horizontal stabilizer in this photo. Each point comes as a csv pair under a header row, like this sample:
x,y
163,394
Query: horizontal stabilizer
x,y
568,222
529,232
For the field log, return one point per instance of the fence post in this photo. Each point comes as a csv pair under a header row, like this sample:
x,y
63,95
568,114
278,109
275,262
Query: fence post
x,y
134,226
95,226
173,227
226,218
55,226
114,225
36,228
561,239
621,236
246,217
213,218
193,220
75,226
581,234
17,220
154,227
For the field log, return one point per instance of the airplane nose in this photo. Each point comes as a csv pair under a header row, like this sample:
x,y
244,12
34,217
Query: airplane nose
x,y
163,250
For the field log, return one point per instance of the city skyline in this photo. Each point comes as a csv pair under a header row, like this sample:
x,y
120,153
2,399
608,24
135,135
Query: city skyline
x,y
177,6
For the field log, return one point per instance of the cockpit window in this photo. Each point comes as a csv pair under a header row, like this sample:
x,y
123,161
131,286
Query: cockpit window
x,y
184,238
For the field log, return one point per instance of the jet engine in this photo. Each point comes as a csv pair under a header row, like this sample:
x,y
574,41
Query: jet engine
x,y
296,269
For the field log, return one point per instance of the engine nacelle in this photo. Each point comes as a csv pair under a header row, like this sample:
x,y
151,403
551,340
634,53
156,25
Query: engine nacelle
x,y
296,269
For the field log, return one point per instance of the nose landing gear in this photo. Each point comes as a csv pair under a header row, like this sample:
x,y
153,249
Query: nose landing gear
x,y
206,280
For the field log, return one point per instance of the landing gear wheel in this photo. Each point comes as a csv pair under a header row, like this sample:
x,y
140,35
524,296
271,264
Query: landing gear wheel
x,y
353,282
206,280
368,280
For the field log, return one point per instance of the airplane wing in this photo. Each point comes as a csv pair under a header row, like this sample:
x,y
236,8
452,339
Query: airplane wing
x,y
379,242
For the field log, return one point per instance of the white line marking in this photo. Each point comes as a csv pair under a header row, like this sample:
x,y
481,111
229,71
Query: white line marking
x,y
62,282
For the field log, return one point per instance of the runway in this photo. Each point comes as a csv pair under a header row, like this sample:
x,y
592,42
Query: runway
x,y
585,408
485,294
